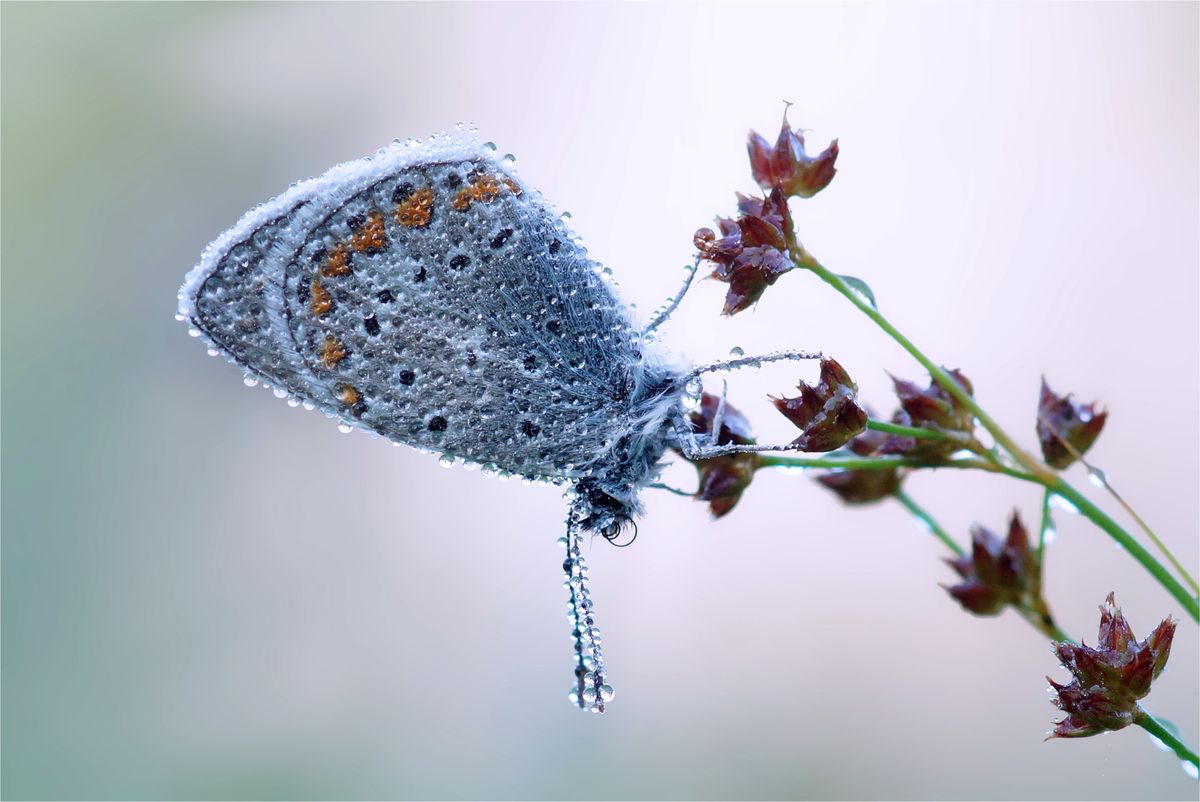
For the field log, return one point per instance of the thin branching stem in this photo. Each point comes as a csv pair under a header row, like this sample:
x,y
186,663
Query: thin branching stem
x,y
1042,473
1100,478
883,463
1046,525
928,522
914,432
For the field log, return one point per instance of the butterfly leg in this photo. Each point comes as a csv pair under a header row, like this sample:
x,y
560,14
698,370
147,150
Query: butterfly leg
x,y
747,362
686,440
719,416
665,313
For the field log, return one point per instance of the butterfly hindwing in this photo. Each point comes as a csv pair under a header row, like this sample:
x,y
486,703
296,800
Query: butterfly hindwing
x,y
436,301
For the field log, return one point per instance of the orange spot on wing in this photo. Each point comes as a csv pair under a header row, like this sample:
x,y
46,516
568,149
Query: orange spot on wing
x,y
331,351
320,302
482,188
513,186
371,237
416,210
349,395
338,263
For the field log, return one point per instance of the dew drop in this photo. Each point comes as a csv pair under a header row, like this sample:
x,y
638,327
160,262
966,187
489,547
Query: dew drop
x,y
446,461
193,332
250,381
1189,768
279,392
607,692
736,352
1049,535
1097,478
1061,503
345,428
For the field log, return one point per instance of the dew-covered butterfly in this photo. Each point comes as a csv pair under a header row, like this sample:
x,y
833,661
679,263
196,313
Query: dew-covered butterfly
x,y
426,295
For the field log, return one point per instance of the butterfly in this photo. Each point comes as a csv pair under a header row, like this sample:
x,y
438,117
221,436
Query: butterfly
x,y
427,295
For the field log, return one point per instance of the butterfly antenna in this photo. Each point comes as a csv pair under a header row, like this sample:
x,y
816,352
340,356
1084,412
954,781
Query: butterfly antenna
x,y
591,690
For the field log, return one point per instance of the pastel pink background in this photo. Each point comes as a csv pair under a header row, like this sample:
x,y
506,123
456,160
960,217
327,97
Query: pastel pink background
x,y
186,613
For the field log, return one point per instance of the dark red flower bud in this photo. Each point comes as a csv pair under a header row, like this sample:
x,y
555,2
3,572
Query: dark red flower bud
x,y
751,252
863,486
723,479
1061,423
935,409
827,414
1107,681
786,166
998,572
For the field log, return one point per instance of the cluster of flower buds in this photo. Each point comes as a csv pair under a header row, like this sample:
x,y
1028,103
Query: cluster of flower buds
x,y
936,410
828,415
1066,429
724,478
864,486
751,252
998,572
1107,681
786,166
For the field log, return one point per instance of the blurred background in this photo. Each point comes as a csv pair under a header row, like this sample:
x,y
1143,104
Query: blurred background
x,y
1018,183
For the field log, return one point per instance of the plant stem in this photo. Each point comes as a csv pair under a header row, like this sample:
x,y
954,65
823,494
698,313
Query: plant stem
x,y
914,432
804,259
928,520
1100,479
887,463
1038,616
1043,474
1098,476
1047,524
1155,727
1127,542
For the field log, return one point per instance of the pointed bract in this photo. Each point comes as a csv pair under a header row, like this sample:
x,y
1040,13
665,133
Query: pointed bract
x,y
998,572
935,409
1107,681
751,252
827,414
856,487
723,479
1061,422
787,167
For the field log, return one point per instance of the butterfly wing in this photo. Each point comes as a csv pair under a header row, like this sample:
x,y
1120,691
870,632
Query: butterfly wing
x,y
425,295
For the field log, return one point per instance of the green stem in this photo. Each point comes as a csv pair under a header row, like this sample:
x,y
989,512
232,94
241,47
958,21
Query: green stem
x,y
928,520
803,259
1047,524
1038,616
913,431
1190,602
1155,727
1043,474
888,463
